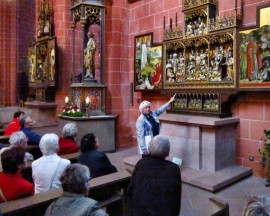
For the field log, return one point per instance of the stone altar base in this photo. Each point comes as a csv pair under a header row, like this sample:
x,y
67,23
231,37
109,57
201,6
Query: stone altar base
x,y
44,113
210,181
102,126
207,147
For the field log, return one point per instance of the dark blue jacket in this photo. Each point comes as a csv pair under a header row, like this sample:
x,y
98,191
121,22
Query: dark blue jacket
x,y
98,163
33,138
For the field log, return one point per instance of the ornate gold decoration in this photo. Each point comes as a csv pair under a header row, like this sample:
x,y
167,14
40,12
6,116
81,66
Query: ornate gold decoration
x,y
87,11
174,33
196,101
197,13
174,45
93,14
44,20
188,4
223,22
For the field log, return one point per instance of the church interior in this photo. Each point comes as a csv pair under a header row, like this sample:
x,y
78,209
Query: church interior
x,y
94,63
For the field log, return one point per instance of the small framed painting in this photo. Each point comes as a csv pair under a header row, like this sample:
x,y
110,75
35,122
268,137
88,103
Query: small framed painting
x,y
147,64
254,47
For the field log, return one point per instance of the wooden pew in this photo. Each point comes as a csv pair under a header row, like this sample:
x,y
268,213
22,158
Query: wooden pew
x,y
108,183
72,156
2,131
219,207
4,139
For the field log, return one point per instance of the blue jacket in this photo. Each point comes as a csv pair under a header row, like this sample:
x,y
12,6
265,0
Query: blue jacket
x,y
33,138
144,127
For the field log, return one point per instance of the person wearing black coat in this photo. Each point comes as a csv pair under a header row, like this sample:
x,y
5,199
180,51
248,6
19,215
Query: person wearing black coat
x,y
155,187
97,161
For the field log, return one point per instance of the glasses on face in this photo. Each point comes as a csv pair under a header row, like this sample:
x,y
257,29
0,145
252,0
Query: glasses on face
x,y
147,107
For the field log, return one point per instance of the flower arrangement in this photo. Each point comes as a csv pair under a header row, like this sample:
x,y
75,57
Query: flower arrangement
x,y
265,152
72,110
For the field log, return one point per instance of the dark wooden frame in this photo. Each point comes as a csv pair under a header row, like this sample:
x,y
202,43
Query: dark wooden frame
x,y
137,71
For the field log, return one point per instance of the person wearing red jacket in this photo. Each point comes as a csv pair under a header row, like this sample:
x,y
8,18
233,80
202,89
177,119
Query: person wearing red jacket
x,y
14,125
67,143
12,184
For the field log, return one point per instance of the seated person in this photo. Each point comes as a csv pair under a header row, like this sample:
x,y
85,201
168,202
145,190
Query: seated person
x,y
155,186
12,184
76,183
67,143
27,124
17,139
33,139
97,161
46,171
14,125
257,206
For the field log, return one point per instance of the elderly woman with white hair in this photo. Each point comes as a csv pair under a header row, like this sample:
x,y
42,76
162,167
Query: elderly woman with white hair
x,y
67,143
75,183
155,186
257,206
17,139
147,124
46,171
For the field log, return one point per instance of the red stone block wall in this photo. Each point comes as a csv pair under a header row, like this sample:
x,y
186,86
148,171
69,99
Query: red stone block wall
x,y
8,52
63,33
252,108
124,21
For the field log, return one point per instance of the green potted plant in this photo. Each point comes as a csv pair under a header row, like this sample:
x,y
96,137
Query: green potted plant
x,y
265,153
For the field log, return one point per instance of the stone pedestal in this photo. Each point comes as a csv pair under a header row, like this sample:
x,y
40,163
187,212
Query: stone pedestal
x,y
102,126
207,147
206,143
43,113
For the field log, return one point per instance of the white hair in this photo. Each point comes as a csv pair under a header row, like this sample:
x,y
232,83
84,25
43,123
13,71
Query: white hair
x,y
159,146
257,206
143,105
17,138
49,144
70,130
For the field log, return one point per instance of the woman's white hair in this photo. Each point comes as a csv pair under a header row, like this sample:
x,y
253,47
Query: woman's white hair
x,y
49,144
143,105
17,138
70,130
159,146
257,206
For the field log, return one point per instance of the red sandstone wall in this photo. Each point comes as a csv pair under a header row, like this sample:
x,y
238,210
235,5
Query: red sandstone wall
x,y
8,52
252,108
63,33
125,21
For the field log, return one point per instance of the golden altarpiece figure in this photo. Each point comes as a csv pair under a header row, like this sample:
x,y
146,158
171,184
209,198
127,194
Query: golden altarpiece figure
x,y
42,58
42,70
200,58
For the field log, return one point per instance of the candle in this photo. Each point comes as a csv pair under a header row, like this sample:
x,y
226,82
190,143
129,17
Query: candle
x,y
171,23
66,99
176,19
87,100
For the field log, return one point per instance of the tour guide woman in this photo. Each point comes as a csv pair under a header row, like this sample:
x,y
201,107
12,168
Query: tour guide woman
x,y
147,124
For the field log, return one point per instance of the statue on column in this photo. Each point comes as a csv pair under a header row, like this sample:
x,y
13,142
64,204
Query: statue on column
x,y
89,56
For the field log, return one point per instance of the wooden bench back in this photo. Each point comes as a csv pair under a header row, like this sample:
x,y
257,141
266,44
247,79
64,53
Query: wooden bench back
x,y
108,183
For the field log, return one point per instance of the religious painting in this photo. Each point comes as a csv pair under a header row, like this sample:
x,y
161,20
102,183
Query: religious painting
x,y
42,62
254,62
147,64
